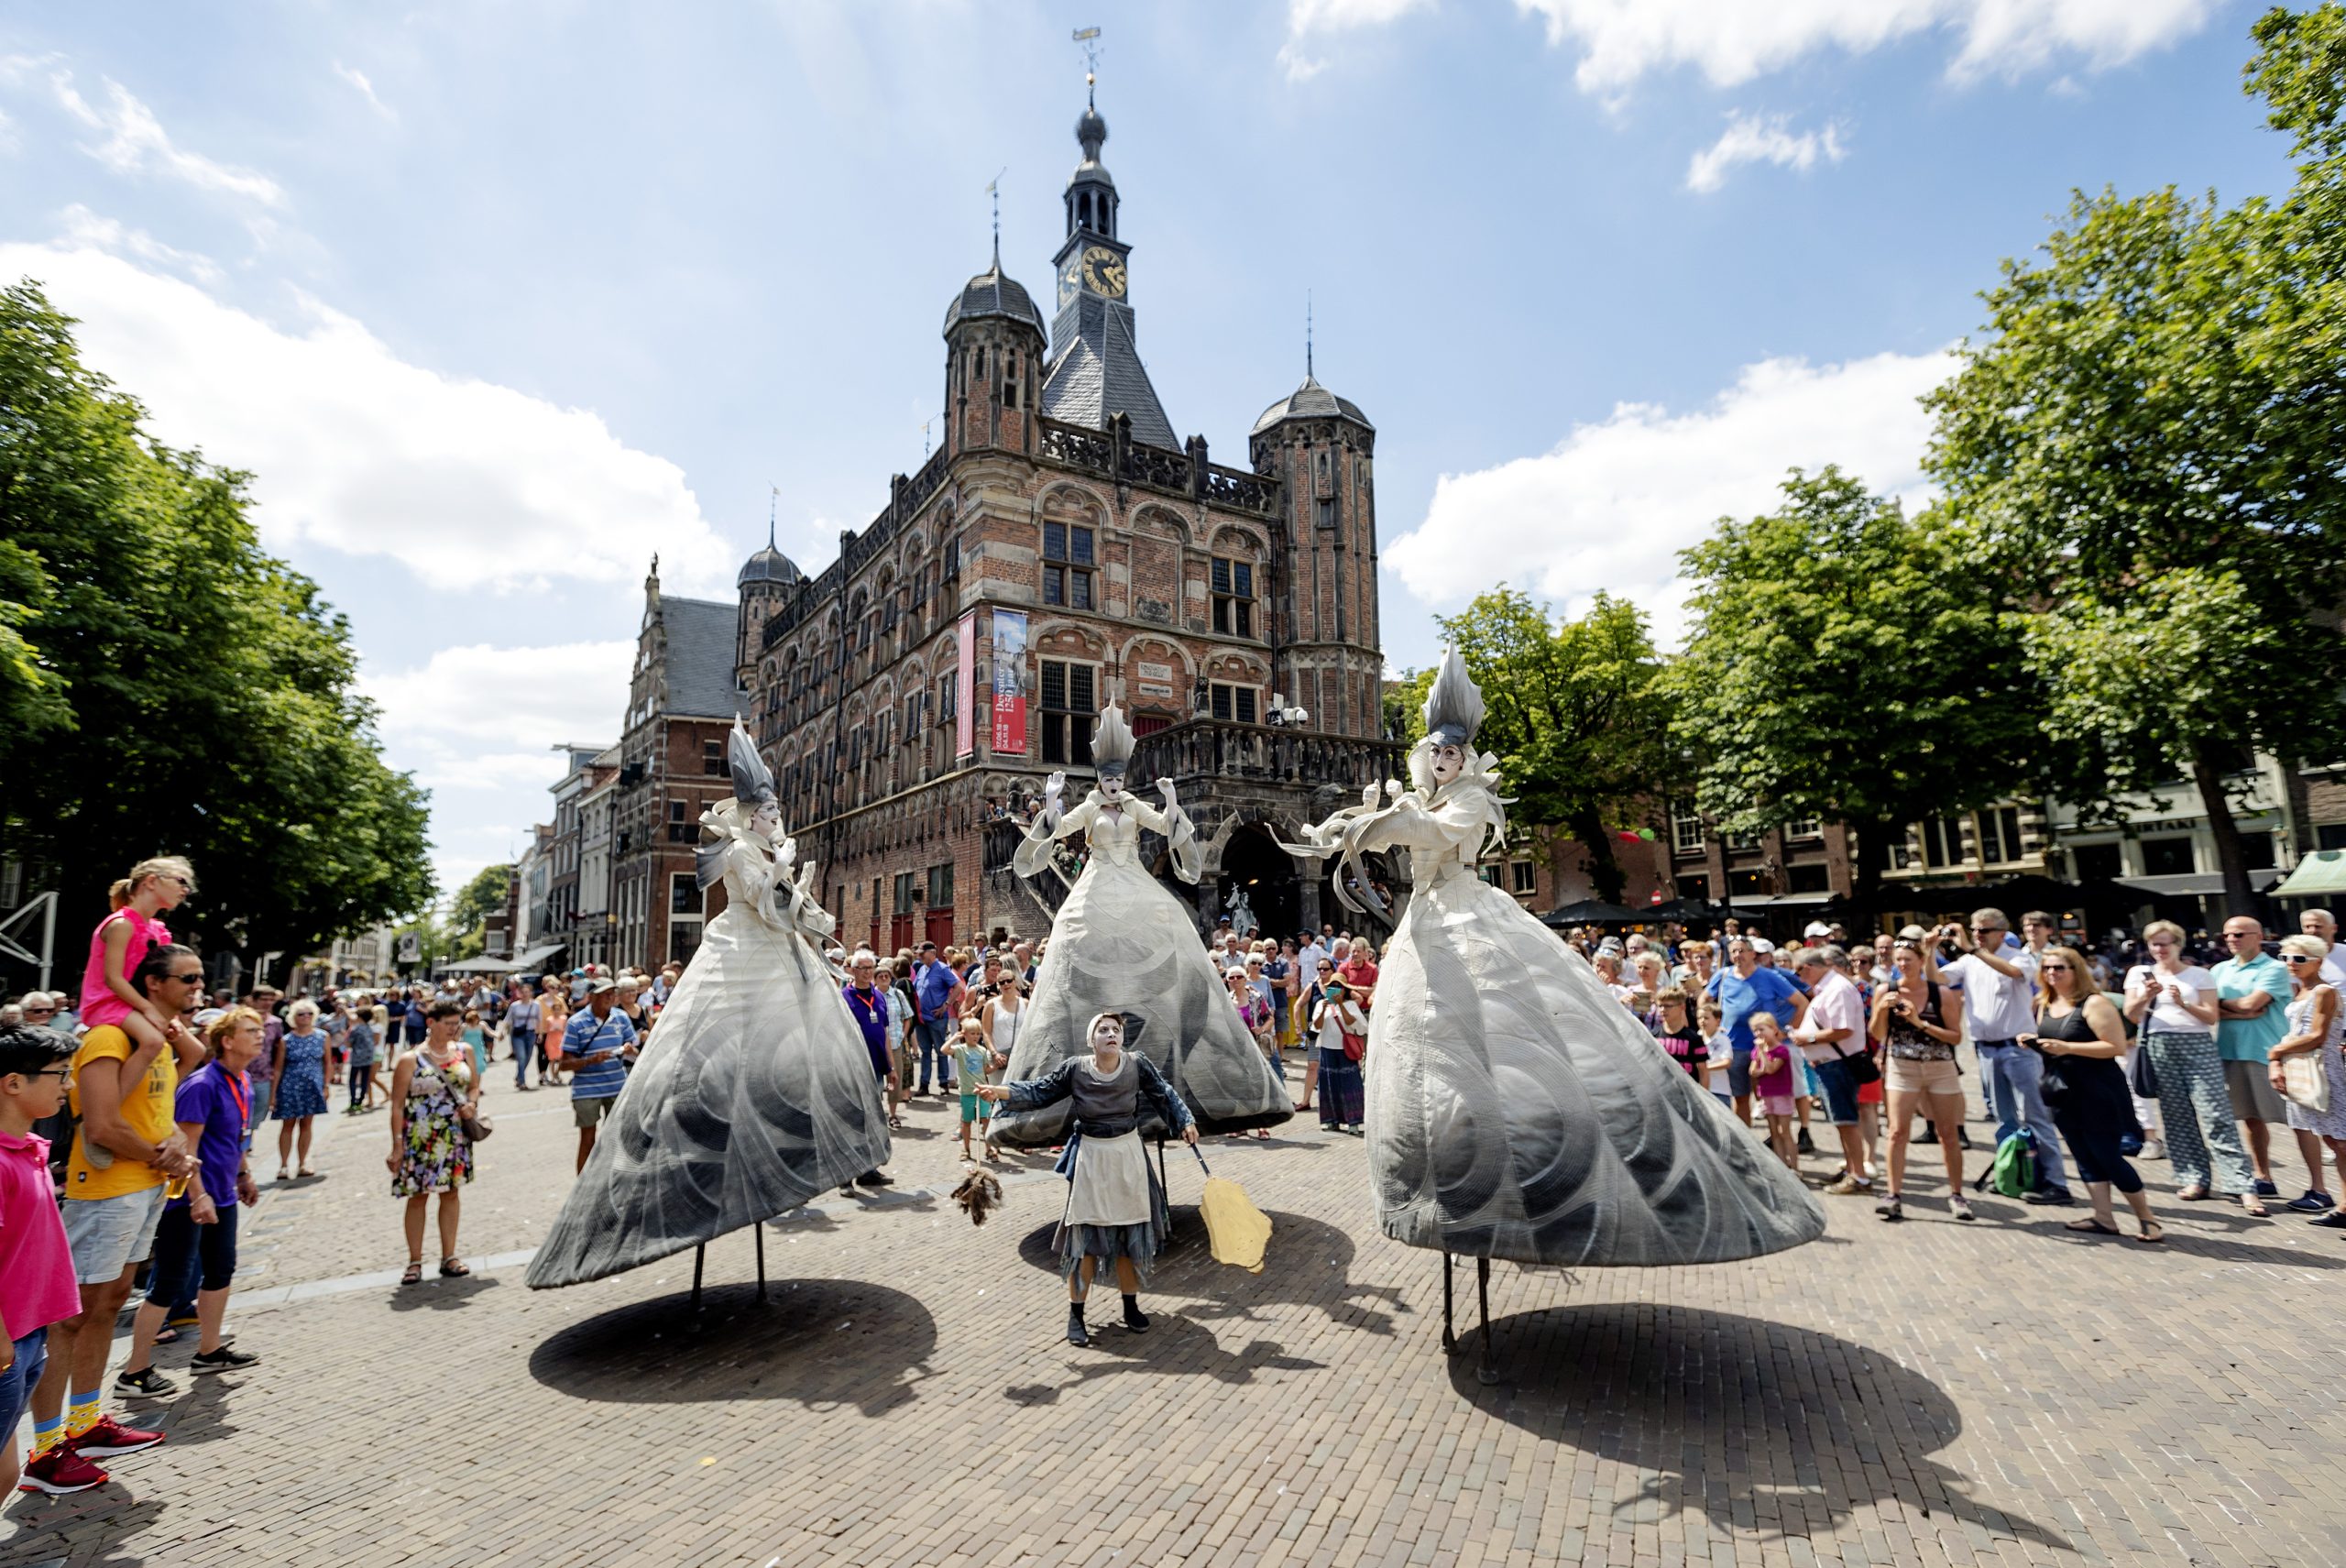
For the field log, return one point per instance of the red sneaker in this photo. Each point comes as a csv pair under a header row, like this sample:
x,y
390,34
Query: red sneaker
x,y
60,1471
110,1437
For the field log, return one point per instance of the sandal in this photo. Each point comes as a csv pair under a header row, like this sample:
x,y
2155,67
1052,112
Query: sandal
x,y
2195,1193
2152,1233
414,1275
453,1268
2253,1207
2093,1226
308,1171
167,1336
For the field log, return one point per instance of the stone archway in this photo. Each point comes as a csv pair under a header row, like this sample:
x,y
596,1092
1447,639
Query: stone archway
x,y
1252,862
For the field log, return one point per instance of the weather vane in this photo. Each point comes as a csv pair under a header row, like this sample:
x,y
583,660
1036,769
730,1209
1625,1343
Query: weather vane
x,y
1089,38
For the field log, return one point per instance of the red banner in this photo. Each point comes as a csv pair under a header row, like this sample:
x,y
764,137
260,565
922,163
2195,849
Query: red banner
x,y
965,739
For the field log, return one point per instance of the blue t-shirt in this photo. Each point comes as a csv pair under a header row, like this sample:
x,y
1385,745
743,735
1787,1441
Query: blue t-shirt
x,y
1767,991
2252,1040
933,985
870,1011
584,1038
210,1097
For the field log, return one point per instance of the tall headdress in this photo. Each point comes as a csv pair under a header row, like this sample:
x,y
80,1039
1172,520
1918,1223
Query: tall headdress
x,y
1112,743
753,779
1454,707
752,787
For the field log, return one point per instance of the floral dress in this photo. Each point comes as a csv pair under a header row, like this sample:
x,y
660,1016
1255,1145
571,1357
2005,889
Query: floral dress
x,y
436,1155
302,1087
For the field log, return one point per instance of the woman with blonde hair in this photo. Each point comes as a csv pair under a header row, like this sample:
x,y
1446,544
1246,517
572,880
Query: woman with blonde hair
x,y
2175,1002
300,1083
2082,1037
2316,1026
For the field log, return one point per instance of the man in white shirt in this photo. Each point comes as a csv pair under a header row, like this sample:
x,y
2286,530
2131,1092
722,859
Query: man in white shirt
x,y
1832,1034
2321,925
1998,986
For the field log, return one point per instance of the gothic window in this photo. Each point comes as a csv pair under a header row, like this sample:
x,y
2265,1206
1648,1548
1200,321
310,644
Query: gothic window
x,y
946,687
1232,702
1071,693
1009,382
951,551
1067,563
1233,597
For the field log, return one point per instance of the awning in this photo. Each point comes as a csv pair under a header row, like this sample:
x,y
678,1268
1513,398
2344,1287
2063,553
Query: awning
x,y
2188,884
2322,874
1742,901
483,965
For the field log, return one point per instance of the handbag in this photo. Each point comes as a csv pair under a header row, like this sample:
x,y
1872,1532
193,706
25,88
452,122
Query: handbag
x,y
2304,1081
476,1124
1861,1067
2143,1077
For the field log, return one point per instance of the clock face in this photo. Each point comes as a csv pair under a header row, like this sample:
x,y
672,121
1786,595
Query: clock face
x,y
1103,270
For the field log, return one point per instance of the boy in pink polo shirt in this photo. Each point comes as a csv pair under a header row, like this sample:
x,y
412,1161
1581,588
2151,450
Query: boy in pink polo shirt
x,y
37,1286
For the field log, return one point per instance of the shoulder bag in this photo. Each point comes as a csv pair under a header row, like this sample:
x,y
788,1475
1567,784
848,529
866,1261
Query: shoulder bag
x,y
2304,1081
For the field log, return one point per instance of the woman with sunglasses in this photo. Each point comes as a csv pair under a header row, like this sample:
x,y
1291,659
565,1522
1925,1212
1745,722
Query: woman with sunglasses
x,y
2317,1023
1918,1021
2082,1037
2175,1002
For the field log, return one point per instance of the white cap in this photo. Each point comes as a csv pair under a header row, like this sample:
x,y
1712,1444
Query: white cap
x,y
1817,928
1761,945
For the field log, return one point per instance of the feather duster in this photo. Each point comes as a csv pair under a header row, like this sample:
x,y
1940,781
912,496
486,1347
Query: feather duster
x,y
980,1195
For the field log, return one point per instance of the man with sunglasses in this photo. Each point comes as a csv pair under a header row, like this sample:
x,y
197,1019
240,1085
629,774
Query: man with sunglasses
x,y
125,1094
2252,992
1998,986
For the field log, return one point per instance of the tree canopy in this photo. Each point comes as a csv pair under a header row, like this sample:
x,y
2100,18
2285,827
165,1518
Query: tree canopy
x,y
1845,664
168,687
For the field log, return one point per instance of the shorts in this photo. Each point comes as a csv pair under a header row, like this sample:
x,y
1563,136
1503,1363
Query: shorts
x,y
1839,1094
109,1234
16,1383
971,1109
588,1110
2253,1097
1775,1104
1738,1075
190,1257
1935,1078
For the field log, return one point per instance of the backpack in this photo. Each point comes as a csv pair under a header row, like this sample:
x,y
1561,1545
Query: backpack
x,y
2013,1171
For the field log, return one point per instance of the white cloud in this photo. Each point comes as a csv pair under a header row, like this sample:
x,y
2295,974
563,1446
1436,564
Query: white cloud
x,y
466,483
1733,41
1614,502
137,142
477,725
80,228
1761,138
357,79
1320,18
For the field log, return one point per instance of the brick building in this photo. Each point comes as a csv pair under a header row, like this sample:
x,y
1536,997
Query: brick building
x,y
1062,549
683,698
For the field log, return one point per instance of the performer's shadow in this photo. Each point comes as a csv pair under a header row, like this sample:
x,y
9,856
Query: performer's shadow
x,y
1766,1427
1309,1263
822,1342
1175,1343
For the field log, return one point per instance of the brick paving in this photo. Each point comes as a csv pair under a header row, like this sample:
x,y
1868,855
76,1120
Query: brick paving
x,y
1997,1393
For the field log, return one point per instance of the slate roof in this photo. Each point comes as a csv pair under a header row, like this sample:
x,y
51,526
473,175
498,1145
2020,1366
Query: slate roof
x,y
769,565
700,657
1096,372
990,293
1311,400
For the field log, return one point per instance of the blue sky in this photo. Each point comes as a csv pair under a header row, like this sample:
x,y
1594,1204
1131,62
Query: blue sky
x,y
498,299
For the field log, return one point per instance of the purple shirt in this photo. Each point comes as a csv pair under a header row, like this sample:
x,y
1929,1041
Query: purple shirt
x,y
210,1095
870,1011
261,1071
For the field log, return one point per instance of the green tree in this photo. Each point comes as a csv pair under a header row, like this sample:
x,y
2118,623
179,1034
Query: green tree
x,y
2149,422
469,911
1845,665
1574,713
187,691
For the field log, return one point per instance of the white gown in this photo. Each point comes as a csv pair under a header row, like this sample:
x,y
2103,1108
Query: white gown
x,y
1123,943
754,1093
1516,1110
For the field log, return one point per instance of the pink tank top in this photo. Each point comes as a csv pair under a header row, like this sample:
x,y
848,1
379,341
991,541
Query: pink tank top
x,y
99,1004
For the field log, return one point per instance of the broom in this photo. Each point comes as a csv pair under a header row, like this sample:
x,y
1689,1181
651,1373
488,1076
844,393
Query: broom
x,y
1236,1230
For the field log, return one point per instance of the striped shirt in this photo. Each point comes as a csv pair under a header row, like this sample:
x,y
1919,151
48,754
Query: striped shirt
x,y
584,1038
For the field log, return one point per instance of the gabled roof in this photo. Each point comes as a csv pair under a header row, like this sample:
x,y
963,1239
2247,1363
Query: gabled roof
x,y
700,657
1097,373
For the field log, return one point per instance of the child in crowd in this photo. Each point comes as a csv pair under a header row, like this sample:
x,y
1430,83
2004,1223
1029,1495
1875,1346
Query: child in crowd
x,y
971,1058
153,889
37,1286
1719,1050
1676,1036
476,1037
1773,1082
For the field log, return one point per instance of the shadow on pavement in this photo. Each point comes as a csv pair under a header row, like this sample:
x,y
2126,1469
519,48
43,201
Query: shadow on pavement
x,y
49,1529
438,1294
1307,1263
1175,1343
820,1341
1733,1414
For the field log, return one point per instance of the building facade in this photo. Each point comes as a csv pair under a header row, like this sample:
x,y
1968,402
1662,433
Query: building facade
x,y
1064,549
597,928
684,696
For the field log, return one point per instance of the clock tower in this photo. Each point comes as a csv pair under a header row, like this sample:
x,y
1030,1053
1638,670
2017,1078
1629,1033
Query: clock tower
x,y
1095,371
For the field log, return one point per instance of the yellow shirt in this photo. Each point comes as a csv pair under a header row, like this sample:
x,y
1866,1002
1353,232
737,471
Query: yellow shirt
x,y
147,1106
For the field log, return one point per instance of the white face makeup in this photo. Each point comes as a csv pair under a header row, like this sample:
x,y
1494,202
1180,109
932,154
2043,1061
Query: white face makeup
x,y
1112,784
766,821
1108,1035
1449,761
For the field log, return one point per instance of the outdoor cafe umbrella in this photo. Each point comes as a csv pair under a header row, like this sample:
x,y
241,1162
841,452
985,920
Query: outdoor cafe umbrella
x,y
1591,912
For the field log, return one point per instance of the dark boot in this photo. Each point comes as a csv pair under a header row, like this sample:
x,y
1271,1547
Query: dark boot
x,y
1075,1331
1134,1318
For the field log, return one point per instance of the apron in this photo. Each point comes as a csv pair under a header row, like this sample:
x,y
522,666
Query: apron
x,y
1111,1182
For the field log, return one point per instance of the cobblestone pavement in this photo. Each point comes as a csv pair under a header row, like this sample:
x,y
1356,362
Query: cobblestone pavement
x,y
2004,1392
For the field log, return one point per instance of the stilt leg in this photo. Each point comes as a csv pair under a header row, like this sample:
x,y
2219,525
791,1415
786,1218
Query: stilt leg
x,y
1485,1373
759,1230
1448,1334
698,1253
